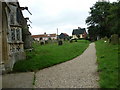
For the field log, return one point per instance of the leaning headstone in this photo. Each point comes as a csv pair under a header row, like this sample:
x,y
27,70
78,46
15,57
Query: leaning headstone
x,y
114,39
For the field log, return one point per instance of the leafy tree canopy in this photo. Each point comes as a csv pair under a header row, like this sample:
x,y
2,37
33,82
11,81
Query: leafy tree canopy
x,y
104,19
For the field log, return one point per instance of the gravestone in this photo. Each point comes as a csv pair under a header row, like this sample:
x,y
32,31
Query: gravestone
x,y
114,39
60,42
71,41
46,42
75,40
105,38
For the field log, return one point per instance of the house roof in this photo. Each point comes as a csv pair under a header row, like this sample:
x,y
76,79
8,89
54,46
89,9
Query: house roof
x,y
44,35
53,35
78,31
64,34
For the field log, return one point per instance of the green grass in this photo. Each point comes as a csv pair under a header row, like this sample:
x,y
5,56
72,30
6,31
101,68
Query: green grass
x,y
107,58
49,55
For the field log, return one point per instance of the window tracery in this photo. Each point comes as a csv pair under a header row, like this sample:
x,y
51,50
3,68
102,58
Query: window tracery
x,y
15,38
13,34
18,34
12,48
18,48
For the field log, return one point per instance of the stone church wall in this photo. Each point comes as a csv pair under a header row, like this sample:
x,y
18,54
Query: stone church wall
x,y
12,30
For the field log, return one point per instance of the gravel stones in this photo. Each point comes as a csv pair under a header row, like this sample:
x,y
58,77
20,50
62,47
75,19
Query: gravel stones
x,y
80,72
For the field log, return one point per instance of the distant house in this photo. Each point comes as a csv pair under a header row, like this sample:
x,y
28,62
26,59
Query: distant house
x,y
79,33
45,37
64,36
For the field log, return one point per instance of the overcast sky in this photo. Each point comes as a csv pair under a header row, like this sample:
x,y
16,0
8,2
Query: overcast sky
x,y
48,15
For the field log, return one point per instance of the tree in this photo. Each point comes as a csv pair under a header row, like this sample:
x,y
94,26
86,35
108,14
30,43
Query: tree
x,y
93,32
97,21
114,18
104,19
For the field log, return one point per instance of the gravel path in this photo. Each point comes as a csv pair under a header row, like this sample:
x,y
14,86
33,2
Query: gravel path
x,y
80,72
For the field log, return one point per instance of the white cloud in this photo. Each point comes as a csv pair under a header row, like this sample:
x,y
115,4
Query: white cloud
x,y
36,30
48,15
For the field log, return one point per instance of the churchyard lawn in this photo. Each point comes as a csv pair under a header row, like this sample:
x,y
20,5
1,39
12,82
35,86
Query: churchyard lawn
x,y
107,58
48,55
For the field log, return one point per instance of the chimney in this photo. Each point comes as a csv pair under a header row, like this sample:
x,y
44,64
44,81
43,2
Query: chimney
x,y
79,28
44,32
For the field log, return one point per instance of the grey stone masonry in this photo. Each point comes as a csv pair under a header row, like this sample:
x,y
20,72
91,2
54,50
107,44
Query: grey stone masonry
x,y
11,42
